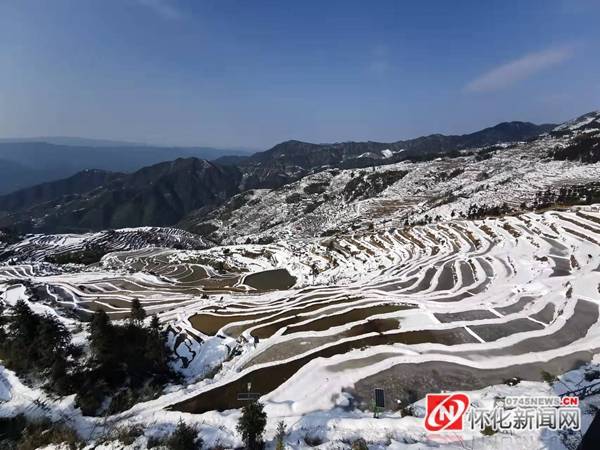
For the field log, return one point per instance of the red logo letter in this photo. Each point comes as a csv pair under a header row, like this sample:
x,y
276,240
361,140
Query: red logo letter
x,y
445,411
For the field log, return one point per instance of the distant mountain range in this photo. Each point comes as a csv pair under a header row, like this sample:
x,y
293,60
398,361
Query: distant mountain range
x,y
363,154
160,195
26,162
165,193
74,141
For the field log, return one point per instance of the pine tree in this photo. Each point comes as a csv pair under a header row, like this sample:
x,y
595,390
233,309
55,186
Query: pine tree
x,y
35,344
51,341
184,438
155,323
58,375
280,435
137,314
23,323
155,352
101,337
251,425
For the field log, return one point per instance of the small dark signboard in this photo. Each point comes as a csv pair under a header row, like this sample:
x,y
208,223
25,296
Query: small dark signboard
x,y
248,396
379,398
379,402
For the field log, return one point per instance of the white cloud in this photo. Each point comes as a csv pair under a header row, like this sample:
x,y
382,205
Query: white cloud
x,y
519,69
163,8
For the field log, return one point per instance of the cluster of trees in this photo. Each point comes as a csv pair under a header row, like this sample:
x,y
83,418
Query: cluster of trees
x,y
474,212
481,211
565,196
90,254
127,363
585,194
23,433
443,176
572,195
251,426
585,148
184,437
37,346
20,432
317,188
425,157
487,153
365,186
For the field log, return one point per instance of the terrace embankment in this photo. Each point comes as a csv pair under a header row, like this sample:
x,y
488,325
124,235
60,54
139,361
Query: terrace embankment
x,y
267,379
407,383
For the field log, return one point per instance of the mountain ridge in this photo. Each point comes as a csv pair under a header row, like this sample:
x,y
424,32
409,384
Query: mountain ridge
x,y
310,155
163,194
157,195
27,163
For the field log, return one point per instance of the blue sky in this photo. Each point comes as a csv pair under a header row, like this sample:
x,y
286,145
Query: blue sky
x,y
253,73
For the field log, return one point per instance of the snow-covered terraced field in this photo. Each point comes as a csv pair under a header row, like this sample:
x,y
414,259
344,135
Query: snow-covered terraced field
x,y
412,310
510,297
50,247
343,282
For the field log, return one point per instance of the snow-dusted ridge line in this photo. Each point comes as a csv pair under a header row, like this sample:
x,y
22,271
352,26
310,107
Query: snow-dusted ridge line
x,y
339,201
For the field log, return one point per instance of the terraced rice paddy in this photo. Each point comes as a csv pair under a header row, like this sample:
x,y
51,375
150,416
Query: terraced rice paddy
x,y
442,306
486,303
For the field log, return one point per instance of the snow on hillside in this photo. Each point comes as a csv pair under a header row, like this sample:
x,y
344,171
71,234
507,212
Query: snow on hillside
x,y
335,200
47,247
502,297
343,282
